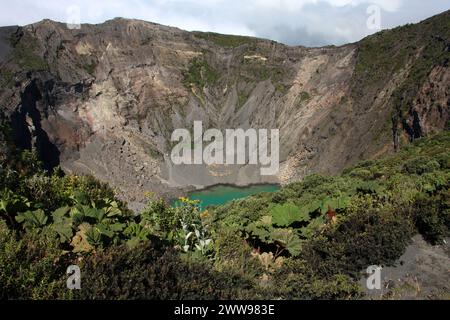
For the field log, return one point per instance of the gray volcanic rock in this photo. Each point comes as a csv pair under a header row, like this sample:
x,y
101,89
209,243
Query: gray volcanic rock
x,y
105,99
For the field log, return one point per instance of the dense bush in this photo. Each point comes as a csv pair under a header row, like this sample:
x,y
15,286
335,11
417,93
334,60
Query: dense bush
x,y
365,238
432,216
152,271
421,165
234,253
298,280
32,265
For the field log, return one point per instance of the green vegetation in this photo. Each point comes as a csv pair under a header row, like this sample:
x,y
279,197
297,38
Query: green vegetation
x,y
224,40
311,239
282,88
6,77
242,99
259,71
380,56
303,97
200,74
255,70
154,152
25,54
404,56
434,53
90,67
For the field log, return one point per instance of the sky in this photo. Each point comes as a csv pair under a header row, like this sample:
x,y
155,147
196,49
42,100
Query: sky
x,y
293,22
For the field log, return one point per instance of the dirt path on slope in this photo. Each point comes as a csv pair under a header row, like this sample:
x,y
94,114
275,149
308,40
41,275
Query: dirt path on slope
x,y
422,272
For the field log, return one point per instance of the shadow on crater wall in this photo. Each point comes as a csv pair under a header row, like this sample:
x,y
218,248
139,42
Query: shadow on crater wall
x,y
29,134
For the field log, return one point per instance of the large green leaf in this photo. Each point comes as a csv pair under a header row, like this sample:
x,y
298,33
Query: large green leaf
x,y
59,213
117,227
112,208
64,229
136,230
77,216
62,224
312,227
32,219
113,212
133,242
105,230
80,197
97,214
94,237
261,231
335,203
288,240
12,203
286,214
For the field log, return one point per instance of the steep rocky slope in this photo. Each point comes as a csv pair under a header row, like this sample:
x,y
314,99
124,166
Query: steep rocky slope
x,y
104,99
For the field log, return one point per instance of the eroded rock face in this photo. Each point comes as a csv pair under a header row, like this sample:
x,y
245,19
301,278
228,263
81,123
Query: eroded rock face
x,y
431,107
108,97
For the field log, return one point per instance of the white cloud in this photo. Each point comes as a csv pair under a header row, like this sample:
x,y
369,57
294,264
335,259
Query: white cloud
x,y
388,5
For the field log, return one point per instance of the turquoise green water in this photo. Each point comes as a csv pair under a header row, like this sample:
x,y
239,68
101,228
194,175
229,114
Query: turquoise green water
x,y
222,194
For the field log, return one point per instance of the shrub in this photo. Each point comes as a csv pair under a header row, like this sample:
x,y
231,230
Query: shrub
x,y
152,271
421,165
225,40
444,160
361,173
32,266
200,74
432,216
298,280
366,237
233,253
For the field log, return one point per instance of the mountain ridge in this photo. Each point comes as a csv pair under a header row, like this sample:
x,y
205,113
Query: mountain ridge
x,y
226,34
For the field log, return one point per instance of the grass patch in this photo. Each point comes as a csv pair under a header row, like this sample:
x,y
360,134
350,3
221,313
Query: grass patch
x,y
381,55
6,77
228,41
25,54
154,153
200,74
304,96
90,67
282,88
242,99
